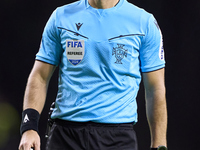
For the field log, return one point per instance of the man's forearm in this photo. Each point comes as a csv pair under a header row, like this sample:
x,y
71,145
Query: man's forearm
x,y
35,94
157,116
34,98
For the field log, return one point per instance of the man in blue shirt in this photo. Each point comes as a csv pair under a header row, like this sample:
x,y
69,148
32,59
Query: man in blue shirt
x,y
102,49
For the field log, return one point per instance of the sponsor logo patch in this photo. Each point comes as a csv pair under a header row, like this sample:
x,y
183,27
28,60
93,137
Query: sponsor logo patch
x,y
161,51
75,50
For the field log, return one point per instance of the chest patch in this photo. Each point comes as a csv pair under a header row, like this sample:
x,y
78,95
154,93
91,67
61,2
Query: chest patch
x,y
119,53
75,50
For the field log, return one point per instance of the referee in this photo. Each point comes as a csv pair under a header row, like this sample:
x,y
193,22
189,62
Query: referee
x,y
102,49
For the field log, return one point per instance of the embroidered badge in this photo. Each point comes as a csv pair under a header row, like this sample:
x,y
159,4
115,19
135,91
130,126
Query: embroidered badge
x,y
75,50
119,53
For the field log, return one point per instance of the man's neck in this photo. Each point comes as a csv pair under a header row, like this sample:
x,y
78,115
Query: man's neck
x,y
103,4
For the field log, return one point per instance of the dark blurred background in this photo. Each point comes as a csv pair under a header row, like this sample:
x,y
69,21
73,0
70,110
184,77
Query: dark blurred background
x,y
21,26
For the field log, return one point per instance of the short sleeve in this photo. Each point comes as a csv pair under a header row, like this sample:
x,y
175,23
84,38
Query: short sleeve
x,y
152,51
50,48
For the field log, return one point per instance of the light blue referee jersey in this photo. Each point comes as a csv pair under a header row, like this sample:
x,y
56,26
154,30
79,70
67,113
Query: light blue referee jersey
x,y
100,54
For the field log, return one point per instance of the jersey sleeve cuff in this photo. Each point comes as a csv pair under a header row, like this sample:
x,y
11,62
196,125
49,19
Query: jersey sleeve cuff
x,y
46,60
145,70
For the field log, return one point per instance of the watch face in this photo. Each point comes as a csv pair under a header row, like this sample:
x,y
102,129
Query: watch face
x,y
162,148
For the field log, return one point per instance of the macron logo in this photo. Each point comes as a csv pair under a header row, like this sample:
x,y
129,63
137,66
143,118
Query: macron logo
x,y
26,119
78,25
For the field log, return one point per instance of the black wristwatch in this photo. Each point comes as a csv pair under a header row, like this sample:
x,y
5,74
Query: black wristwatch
x,y
160,148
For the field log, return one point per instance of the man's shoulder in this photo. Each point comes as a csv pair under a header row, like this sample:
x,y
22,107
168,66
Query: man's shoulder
x,y
72,7
132,9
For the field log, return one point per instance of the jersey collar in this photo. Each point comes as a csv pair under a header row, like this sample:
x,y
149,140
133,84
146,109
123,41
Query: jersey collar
x,y
115,7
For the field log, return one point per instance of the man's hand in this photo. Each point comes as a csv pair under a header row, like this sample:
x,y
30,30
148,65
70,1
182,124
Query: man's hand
x,y
30,139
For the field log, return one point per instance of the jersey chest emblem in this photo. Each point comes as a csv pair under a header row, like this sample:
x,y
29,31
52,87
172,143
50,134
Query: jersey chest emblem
x,y
119,53
75,50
